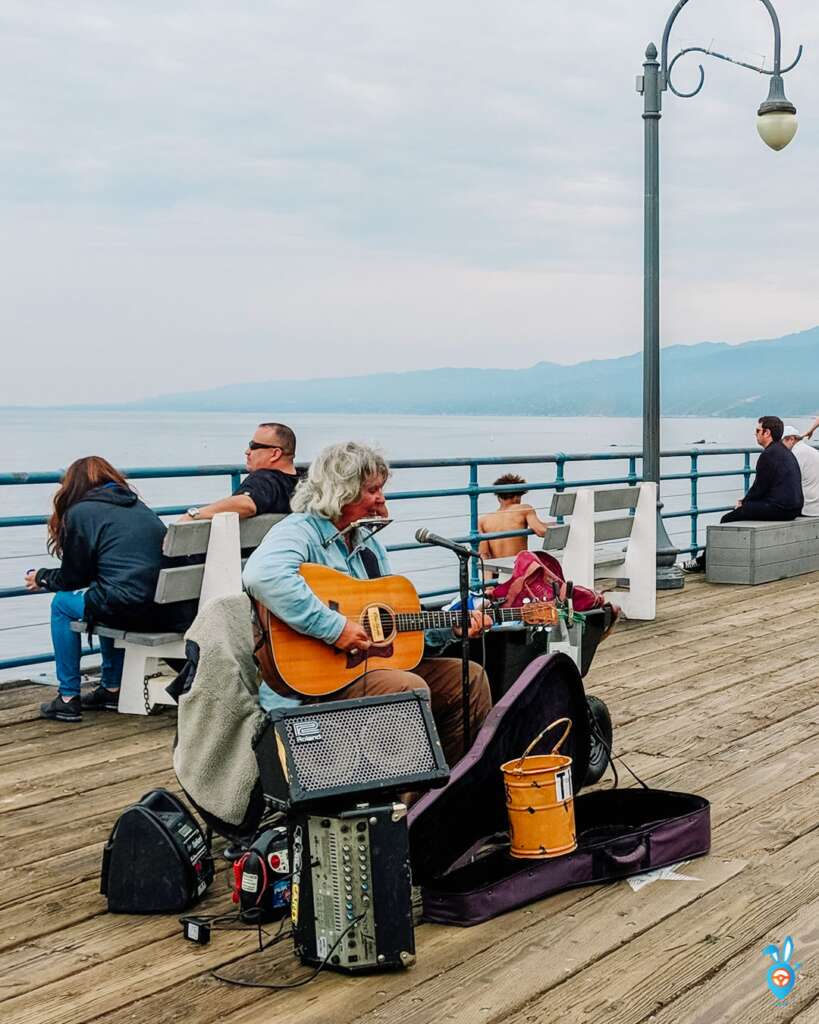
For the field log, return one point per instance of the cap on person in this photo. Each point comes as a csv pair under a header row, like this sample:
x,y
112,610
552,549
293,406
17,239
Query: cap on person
x,y
791,431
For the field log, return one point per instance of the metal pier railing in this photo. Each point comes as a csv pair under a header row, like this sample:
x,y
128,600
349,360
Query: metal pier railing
x,y
461,498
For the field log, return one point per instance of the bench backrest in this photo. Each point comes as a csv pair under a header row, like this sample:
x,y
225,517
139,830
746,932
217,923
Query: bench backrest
x,y
192,538
605,500
184,582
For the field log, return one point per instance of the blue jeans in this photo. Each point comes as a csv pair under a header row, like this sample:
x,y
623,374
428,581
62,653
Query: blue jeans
x,y
67,607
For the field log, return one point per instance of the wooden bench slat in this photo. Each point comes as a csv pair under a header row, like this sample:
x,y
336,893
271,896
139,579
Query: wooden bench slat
x,y
616,498
612,529
562,504
109,631
556,537
192,538
142,639
182,583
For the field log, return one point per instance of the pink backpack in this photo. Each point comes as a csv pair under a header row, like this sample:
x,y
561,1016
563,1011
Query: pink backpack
x,y
538,576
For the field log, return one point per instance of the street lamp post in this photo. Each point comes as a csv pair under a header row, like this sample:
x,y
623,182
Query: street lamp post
x,y
776,123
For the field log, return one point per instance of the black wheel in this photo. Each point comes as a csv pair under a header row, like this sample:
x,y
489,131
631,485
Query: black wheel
x,y
600,740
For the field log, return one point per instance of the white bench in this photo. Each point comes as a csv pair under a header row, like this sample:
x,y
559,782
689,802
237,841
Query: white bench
x,y
617,555
221,540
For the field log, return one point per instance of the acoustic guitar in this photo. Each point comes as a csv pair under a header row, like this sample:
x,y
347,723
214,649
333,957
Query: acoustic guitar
x,y
389,610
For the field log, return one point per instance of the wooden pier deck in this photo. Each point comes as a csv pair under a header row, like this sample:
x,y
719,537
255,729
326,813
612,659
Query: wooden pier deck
x,y
719,696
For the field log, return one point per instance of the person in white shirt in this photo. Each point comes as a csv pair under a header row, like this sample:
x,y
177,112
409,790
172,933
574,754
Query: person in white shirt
x,y
808,459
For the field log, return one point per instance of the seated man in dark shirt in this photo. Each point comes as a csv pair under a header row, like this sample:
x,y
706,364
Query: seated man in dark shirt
x,y
776,493
271,477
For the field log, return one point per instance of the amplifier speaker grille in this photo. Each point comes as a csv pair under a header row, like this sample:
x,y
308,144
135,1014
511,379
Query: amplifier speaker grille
x,y
358,743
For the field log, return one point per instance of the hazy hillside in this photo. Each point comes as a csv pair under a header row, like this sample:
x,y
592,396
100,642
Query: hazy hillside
x,y
710,379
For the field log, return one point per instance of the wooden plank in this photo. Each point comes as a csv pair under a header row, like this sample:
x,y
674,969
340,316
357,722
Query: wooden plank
x,y
773,822
24,696
388,997
182,583
39,791
527,962
51,834
710,664
49,958
106,631
183,539
694,729
19,778
556,537
684,950
612,529
739,992
47,739
107,986
782,569
613,499
562,504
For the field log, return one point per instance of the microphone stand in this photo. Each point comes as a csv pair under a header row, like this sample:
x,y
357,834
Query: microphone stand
x,y
463,580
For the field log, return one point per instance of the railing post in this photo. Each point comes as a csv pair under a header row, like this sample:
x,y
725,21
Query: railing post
x,y
474,535
694,505
235,480
560,479
746,472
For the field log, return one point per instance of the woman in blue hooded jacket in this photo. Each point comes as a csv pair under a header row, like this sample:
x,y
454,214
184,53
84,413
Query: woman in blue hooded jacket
x,y
110,548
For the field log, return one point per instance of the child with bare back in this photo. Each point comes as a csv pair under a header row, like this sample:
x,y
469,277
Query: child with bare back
x,y
511,514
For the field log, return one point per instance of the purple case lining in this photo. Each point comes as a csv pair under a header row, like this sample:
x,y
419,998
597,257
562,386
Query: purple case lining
x,y
621,832
459,858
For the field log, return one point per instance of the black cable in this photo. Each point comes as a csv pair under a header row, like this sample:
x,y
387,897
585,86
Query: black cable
x,y
293,984
612,757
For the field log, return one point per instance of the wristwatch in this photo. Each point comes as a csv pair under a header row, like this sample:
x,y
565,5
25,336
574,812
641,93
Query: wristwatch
x,y
193,512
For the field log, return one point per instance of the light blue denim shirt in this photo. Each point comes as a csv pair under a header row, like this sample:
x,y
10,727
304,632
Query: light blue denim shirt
x,y
271,575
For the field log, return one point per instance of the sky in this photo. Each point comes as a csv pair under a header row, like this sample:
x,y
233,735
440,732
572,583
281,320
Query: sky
x,y
195,193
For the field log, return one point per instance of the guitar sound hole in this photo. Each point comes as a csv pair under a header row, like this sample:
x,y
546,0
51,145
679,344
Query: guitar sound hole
x,y
386,617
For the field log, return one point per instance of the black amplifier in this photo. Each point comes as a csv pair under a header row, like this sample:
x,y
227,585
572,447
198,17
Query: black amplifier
x,y
156,859
351,893
368,748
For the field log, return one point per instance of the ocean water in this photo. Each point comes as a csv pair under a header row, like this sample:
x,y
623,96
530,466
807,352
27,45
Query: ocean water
x,y
50,439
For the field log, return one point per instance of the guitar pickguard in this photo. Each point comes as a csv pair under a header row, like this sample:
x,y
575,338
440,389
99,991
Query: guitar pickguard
x,y
354,660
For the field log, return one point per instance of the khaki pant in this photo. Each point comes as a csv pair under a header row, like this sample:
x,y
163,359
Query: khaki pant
x,y
441,678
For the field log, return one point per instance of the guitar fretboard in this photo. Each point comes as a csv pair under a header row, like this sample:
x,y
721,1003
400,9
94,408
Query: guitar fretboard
x,y
411,622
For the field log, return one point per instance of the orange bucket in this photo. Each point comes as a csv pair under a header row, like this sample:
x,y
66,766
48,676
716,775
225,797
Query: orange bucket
x,y
539,800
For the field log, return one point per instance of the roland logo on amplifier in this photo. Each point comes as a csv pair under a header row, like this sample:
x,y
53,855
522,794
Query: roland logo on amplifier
x,y
307,731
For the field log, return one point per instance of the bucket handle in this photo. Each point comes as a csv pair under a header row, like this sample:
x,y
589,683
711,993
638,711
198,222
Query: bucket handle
x,y
539,737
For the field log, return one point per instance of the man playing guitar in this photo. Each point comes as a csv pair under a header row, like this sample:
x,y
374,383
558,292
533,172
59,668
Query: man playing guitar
x,y
345,484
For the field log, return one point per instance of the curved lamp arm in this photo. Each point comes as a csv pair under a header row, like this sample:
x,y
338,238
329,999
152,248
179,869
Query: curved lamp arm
x,y
665,67
720,56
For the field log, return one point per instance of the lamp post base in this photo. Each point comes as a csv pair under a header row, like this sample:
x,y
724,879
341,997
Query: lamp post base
x,y
670,577
669,574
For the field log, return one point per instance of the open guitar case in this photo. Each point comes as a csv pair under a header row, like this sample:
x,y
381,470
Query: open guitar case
x,y
458,843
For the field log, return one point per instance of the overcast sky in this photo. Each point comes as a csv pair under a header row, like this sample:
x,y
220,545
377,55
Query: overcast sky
x,y
199,193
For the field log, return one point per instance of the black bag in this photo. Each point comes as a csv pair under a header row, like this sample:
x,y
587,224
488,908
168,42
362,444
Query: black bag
x,y
458,847
156,859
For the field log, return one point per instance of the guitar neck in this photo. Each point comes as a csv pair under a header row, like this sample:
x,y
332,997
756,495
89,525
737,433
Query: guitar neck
x,y
411,622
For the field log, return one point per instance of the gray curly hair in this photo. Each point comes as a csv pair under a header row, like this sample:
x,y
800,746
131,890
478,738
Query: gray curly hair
x,y
335,478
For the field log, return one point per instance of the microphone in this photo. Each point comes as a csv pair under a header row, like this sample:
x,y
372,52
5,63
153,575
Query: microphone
x,y
424,536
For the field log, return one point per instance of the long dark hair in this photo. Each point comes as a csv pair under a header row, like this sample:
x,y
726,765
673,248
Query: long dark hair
x,y
82,476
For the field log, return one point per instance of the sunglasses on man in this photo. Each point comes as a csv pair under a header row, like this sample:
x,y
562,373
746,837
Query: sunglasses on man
x,y
255,446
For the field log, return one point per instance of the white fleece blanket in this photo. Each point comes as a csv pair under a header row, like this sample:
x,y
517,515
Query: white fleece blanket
x,y
220,714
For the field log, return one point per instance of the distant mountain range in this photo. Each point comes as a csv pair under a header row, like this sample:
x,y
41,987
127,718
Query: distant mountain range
x,y
708,379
